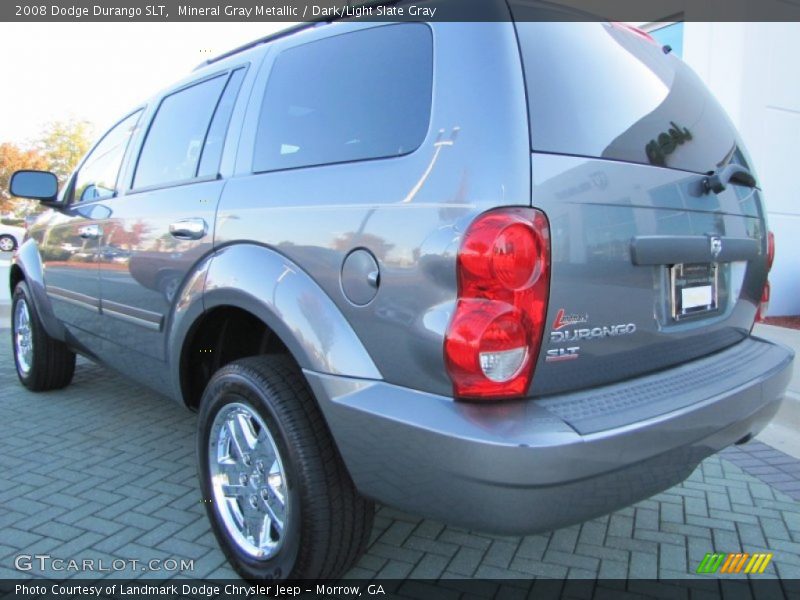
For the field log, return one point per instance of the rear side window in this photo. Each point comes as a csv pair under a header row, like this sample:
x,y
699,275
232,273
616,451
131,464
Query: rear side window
x,y
354,96
215,139
174,144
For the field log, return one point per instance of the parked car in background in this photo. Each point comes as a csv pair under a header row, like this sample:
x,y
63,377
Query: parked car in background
x,y
11,237
510,310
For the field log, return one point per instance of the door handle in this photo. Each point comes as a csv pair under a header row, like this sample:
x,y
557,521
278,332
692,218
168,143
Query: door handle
x,y
188,229
90,232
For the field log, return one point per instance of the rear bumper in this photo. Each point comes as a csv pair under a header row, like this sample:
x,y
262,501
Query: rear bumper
x,y
536,465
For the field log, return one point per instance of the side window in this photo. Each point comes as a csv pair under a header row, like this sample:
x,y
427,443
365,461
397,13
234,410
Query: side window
x,y
215,139
171,151
354,96
97,177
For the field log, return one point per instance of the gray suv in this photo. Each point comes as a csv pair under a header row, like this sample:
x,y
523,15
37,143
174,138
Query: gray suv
x,y
502,275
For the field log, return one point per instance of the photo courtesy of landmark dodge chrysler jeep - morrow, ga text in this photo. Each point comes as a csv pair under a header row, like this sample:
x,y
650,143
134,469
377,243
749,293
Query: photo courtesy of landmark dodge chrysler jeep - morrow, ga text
x,y
499,274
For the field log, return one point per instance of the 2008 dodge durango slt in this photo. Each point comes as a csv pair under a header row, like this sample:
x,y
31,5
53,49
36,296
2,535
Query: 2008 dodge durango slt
x,y
499,274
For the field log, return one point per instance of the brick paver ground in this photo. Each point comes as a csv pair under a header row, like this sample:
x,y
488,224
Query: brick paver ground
x,y
106,469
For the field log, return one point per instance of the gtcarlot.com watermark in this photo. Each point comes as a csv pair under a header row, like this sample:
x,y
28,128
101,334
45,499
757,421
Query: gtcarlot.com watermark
x,y
46,562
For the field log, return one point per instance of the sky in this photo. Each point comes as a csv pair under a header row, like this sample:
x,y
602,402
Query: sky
x,y
98,71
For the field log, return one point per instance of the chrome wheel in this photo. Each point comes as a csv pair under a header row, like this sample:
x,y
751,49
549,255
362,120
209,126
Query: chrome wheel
x,y
23,337
7,243
248,481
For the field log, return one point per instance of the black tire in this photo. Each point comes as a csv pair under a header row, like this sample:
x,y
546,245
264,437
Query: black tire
x,y
7,239
52,364
329,522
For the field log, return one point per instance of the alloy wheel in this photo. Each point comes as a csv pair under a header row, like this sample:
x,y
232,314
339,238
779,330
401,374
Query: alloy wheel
x,y
23,337
248,481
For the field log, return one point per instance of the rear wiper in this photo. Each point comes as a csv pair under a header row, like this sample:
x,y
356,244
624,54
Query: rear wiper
x,y
717,182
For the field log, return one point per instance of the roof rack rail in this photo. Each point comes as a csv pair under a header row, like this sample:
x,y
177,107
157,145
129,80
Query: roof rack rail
x,y
292,30
257,42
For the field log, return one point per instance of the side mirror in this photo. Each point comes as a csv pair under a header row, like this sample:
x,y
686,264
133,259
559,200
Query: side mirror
x,y
39,185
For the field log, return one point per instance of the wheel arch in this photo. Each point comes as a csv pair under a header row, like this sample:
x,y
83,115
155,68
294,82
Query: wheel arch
x,y
27,266
14,277
272,305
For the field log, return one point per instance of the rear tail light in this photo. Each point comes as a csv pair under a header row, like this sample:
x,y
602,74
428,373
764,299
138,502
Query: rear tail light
x,y
503,271
763,306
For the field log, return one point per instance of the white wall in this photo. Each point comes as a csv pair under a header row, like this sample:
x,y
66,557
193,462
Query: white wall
x,y
754,71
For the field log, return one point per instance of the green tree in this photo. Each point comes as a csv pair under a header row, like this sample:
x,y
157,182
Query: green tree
x,y
63,144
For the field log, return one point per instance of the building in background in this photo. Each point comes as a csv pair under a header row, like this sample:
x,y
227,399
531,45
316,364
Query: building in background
x,y
752,69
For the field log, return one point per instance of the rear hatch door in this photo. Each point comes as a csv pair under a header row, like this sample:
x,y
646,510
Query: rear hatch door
x,y
650,269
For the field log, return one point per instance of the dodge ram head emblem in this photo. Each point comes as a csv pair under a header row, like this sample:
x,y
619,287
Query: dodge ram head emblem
x,y
716,245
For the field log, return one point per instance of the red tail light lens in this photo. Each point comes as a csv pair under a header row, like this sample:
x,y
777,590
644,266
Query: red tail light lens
x,y
494,336
516,256
763,306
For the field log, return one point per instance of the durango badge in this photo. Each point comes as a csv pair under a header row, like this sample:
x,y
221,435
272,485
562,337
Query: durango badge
x,y
594,333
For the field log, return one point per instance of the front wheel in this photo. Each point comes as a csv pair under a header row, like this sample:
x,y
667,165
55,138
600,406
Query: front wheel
x,y
43,363
276,491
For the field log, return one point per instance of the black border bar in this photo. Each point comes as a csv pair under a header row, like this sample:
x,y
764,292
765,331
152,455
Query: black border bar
x,y
396,589
637,11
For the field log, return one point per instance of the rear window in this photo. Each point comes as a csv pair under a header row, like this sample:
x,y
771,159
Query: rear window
x,y
600,90
174,143
354,96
